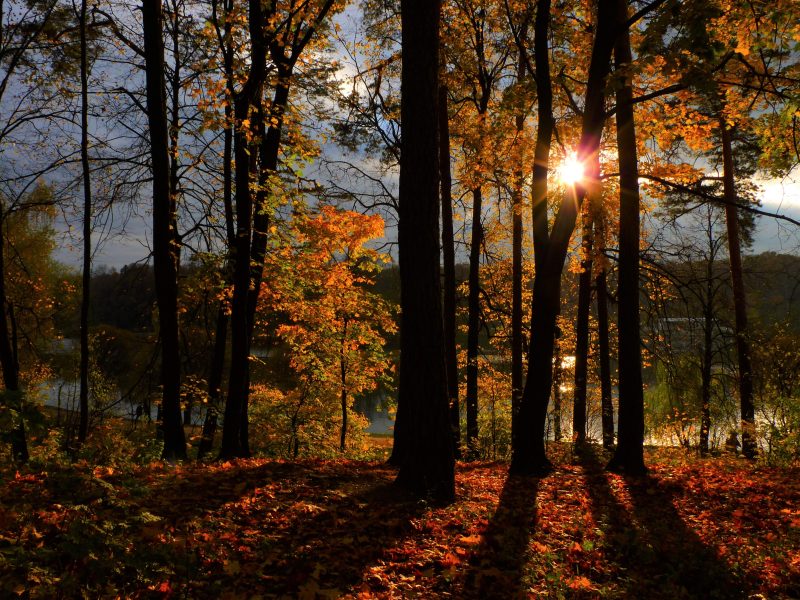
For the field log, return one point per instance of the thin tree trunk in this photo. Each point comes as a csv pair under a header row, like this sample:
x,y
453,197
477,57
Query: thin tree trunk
x,y
524,446
529,456
629,454
214,383
86,276
245,158
516,259
558,374
221,333
604,358
343,388
427,460
9,364
449,271
582,333
474,324
164,234
739,297
705,374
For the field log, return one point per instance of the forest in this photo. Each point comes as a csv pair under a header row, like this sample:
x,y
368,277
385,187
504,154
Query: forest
x,y
400,298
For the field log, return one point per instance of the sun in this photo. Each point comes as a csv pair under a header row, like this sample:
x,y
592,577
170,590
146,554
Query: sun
x,y
571,170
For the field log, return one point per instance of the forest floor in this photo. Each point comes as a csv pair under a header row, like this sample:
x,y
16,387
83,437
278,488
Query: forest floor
x,y
326,529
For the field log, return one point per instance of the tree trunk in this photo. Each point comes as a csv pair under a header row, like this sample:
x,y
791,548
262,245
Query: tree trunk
x,y
427,460
529,455
449,272
165,242
544,131
9,364
474,324
705,374
629,454
343,388
221,334
739,297
558,374
86,276
516,260
582,333
604,358
214,383
245,159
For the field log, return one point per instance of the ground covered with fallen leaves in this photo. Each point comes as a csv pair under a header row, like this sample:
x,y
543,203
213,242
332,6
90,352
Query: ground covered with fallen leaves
x,y
327,529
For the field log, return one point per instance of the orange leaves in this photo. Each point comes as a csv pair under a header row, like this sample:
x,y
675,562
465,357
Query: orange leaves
x,y
340,528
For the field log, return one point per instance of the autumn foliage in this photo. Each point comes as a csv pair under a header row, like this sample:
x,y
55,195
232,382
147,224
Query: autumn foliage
x,y
319,529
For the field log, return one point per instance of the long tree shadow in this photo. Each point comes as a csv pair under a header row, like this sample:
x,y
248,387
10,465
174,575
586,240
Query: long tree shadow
x,y
661,556
496,569
285,529
335,548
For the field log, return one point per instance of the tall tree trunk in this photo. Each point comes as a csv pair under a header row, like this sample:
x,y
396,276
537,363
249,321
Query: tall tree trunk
x,y
165,239
705,365
739,296
544,132
427,460
86,276
629,454
245,159
174,162
221,334
449,271
516,257
9,363
214,383
582,332
474,324
522,438
558,374
343,387
604,355
529,455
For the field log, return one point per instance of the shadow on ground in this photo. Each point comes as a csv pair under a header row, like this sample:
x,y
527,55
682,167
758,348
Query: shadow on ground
x,y
496,569
660,555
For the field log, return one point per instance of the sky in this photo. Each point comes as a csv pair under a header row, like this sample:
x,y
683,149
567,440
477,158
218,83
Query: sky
x,y
131,244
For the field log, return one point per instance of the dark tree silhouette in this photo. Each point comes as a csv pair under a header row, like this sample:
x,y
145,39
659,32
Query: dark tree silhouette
x,y
165,241
423,435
